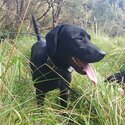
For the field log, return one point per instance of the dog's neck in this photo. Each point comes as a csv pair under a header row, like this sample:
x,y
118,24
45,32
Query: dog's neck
x,y
53,66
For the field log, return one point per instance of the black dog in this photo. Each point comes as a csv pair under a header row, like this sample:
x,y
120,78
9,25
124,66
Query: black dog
x,y
66,45
118,77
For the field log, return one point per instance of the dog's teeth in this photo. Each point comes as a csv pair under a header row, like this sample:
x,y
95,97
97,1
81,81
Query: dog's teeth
x,y
75,61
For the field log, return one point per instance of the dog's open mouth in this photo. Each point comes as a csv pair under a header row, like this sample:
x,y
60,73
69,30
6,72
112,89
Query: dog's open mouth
x,y
83,68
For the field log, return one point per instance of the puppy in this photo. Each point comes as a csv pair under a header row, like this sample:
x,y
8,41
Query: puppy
x,y
51,62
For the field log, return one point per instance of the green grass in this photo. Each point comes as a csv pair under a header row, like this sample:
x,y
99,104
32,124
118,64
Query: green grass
x,y
95,105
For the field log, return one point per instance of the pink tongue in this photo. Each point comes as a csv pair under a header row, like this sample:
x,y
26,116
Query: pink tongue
x,y
90,72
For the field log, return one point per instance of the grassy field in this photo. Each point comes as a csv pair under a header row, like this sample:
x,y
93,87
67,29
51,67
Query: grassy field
x,y
95,105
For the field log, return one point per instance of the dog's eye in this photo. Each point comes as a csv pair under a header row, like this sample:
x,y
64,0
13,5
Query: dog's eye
x,y
80,38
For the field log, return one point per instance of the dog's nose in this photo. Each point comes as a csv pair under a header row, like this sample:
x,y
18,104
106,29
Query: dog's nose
x,y
102,54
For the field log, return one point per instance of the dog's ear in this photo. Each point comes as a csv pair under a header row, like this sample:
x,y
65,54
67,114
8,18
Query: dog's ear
x,y
51,40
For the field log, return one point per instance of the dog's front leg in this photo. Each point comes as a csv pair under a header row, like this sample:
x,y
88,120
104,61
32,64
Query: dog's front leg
x,y
63,95
40,96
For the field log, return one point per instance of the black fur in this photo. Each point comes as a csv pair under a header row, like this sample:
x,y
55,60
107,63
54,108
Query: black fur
x,y
118,77
62,43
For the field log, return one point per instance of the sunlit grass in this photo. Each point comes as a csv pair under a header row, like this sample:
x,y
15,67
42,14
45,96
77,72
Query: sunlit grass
x,y
94,105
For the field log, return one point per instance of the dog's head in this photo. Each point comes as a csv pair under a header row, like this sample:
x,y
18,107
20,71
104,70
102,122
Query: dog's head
x,y
71,45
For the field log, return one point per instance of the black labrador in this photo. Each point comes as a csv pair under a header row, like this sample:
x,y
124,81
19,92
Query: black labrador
x,y
117,77
66,46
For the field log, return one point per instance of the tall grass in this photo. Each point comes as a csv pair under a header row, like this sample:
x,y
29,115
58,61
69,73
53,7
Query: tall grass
x,y
94,105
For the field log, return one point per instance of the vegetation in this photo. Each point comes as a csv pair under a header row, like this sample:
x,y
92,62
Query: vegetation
x,y
102,104
95,105
99,15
